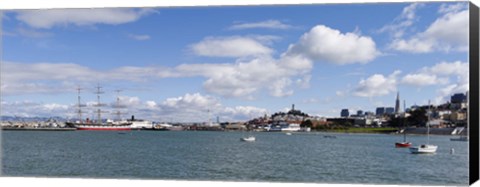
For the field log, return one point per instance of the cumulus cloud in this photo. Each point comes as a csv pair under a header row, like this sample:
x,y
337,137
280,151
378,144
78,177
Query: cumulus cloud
x,y
322,43
234,46
447,33
244,78
377,85
438,74
449,77
268,24
193,108
46,19
422,79
242,112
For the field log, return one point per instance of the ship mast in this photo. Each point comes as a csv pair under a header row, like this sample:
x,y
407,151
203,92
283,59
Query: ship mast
x,y
99,105
117,105
79,105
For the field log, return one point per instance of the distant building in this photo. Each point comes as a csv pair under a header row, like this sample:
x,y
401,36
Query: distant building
x,y
389,110
380,111
458,98
344,113
360,113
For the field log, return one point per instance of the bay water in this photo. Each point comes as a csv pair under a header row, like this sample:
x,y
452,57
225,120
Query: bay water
x,y
221,156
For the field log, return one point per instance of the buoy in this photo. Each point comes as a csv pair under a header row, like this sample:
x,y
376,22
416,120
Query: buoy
x,y
452,151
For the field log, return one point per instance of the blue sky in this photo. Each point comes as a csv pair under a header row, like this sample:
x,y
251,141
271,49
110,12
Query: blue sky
x,y
175,64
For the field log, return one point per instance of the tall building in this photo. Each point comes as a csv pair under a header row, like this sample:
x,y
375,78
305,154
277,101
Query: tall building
x,y
344,113
458,98
380,111
389,110
360,113
397,104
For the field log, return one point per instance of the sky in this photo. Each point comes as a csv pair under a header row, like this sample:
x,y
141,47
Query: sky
x,y
184,64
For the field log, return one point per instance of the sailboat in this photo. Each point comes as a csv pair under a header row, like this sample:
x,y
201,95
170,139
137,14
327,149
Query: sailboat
x,y
404,143
425,148
98,125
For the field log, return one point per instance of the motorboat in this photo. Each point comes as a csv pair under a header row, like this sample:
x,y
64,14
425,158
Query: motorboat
x,y
248,139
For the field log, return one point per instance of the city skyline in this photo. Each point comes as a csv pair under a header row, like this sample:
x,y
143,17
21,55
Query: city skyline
x,y
177,63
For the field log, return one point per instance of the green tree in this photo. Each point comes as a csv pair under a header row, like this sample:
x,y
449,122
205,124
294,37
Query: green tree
x,y
417,117
306,123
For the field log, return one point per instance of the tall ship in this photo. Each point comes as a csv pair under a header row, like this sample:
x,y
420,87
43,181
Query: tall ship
x,y
98,125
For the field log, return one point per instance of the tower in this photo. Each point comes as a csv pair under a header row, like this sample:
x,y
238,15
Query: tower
x,y
397,104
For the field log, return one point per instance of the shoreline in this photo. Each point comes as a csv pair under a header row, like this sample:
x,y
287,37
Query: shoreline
x,y
410,131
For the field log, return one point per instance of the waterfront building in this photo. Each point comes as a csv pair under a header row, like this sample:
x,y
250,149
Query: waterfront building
x,y
344,113
360,113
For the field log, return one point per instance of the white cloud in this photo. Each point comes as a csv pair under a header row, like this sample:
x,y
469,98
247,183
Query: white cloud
x,y
322,43
447,8
438,74
240,79
193,101
447,33
269,24
246,77
46,19
278,88
453,75
140,37
196,108
58,77
33,33
403,21
151,104
454,68
34,109
422,79
235,46
377,85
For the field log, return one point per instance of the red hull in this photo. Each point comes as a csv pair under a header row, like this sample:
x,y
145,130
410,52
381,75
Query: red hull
x,y
403,144
104,129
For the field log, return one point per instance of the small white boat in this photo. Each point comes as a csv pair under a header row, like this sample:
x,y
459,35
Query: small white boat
x,y
424,149
248,139
288,133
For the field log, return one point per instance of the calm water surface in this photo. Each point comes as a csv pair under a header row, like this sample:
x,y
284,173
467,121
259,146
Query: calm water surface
x,y
274,157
